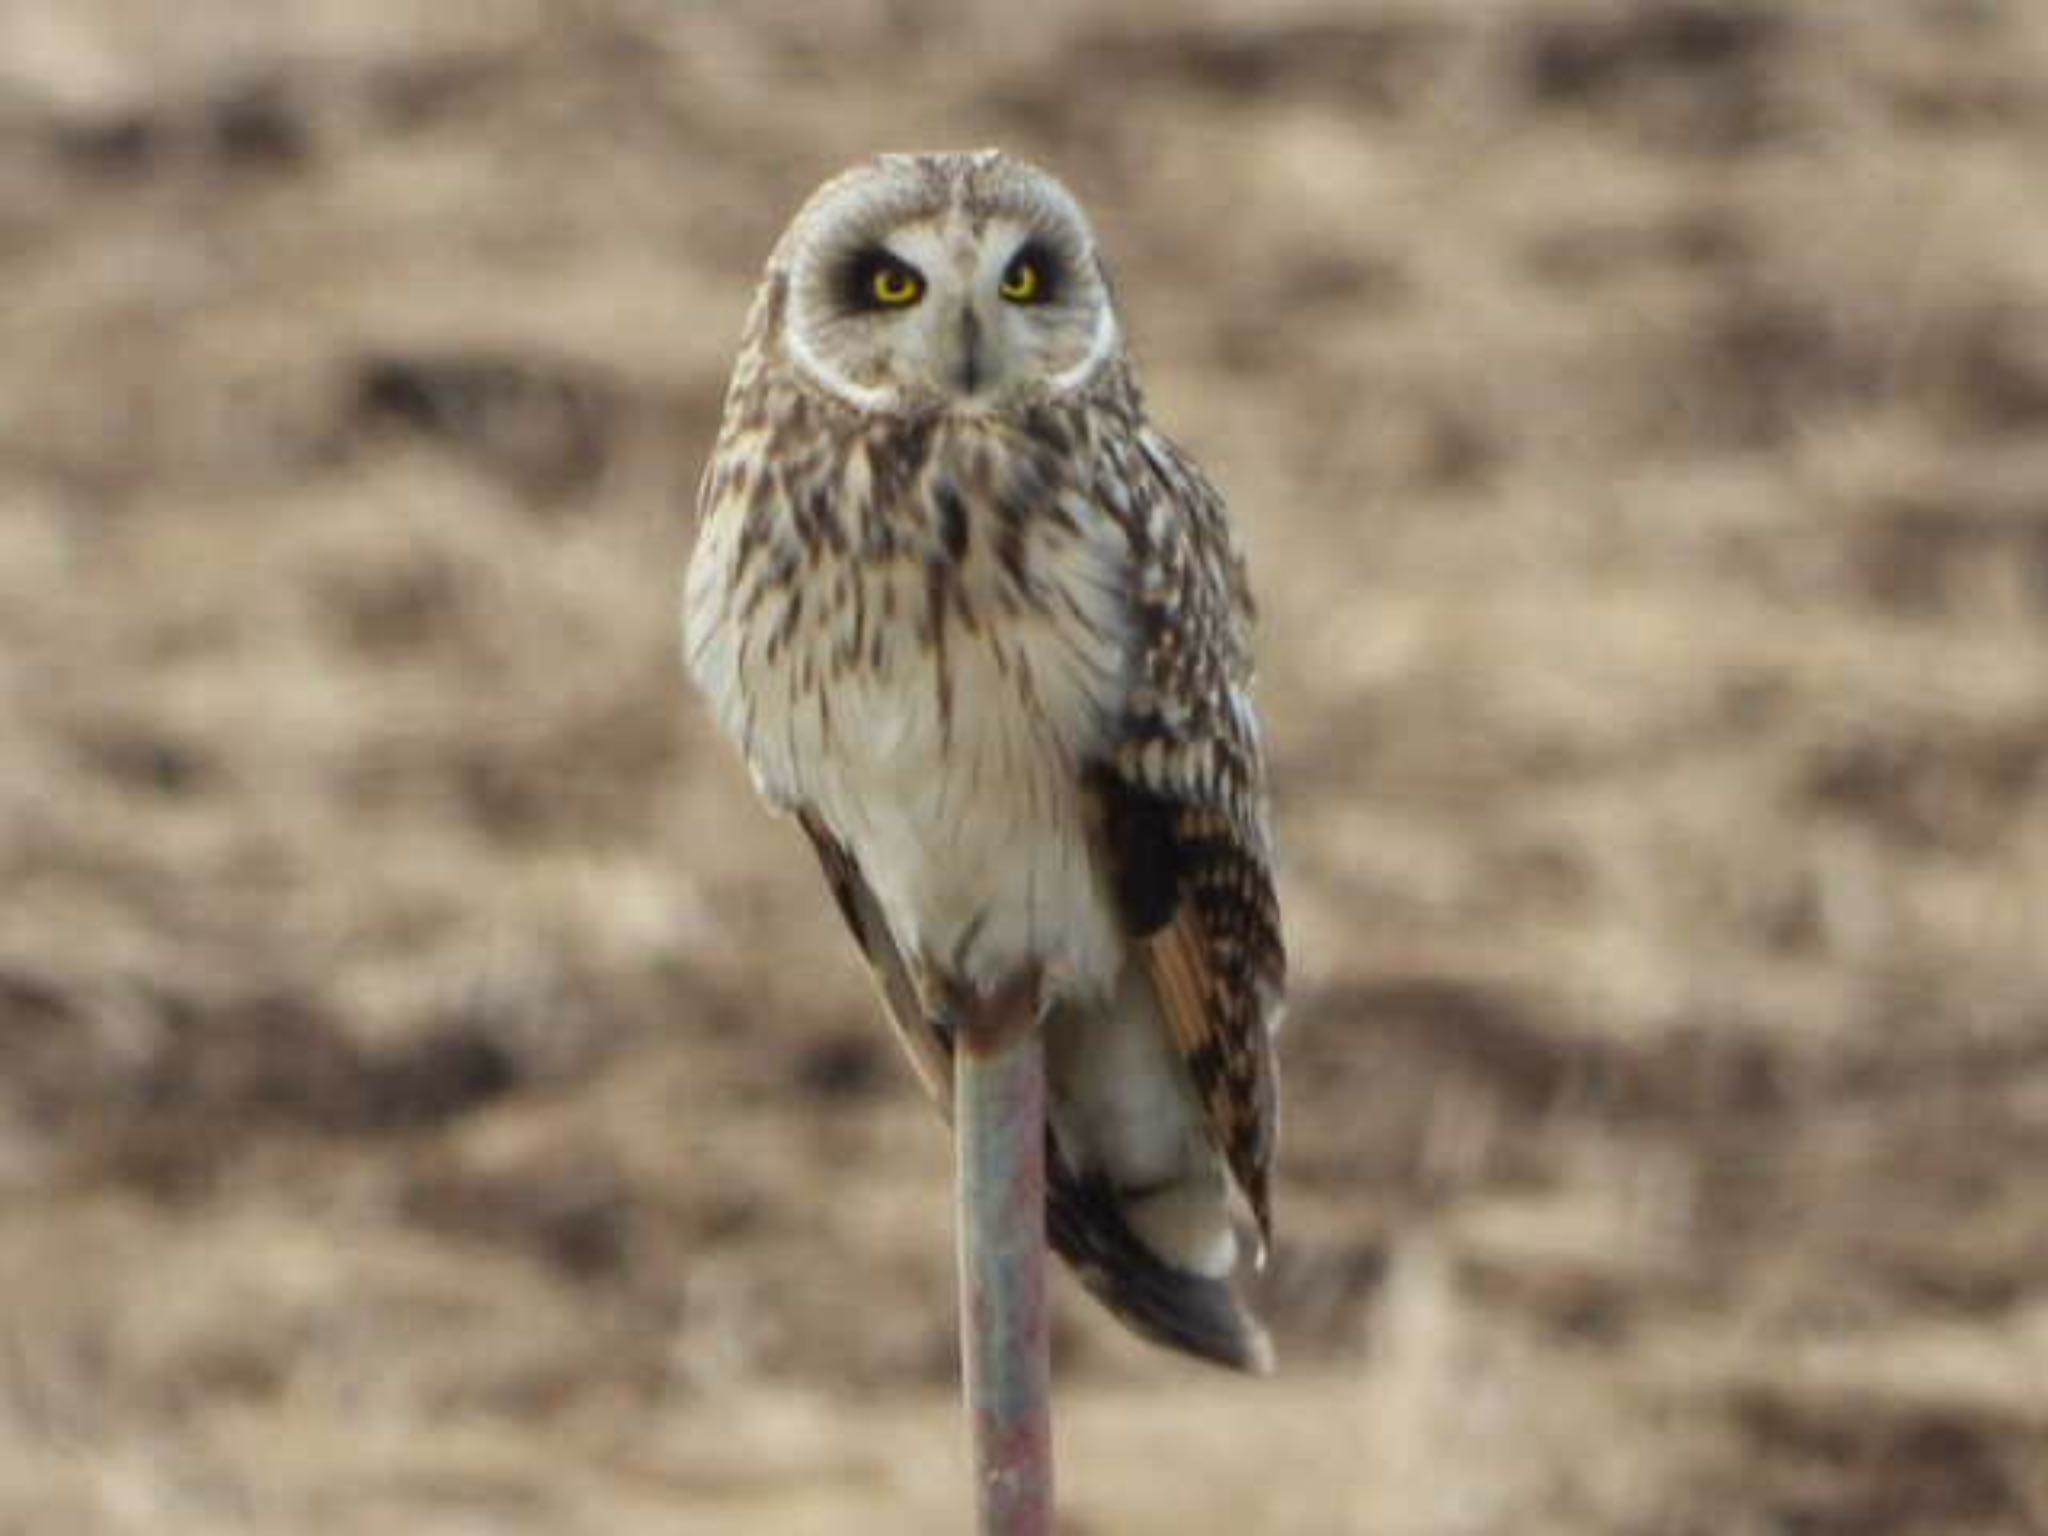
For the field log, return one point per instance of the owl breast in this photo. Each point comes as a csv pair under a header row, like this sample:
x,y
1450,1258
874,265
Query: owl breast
x,y
926,661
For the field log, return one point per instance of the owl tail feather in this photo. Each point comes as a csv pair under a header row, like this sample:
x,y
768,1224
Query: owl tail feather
x,y
1198,1314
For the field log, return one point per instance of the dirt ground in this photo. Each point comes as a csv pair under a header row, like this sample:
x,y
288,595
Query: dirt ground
x,y
434,1098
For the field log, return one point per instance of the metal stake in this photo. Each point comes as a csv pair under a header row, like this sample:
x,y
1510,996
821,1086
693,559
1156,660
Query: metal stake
x,y
999,1136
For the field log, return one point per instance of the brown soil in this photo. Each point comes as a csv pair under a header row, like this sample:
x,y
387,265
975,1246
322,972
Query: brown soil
x,y
434,1098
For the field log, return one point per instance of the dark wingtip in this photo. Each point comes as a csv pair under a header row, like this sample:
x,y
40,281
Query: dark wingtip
x,y
1196,1314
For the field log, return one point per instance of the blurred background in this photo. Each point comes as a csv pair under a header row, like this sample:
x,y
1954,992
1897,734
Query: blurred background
x,y
435,1098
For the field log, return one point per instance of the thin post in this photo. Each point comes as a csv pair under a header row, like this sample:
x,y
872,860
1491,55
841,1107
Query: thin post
x,y
999,1136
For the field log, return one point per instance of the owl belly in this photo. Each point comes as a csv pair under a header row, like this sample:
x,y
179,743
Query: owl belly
x,y
950,765
929,680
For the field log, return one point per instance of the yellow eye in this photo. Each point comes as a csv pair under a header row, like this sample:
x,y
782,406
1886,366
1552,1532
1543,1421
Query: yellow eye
x,y
895,286
1022,282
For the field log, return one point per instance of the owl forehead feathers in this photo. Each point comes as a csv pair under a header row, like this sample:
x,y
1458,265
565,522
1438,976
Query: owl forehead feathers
x,y
938,230
889,191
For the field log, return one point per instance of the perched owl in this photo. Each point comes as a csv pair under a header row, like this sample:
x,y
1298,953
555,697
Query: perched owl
x,y
983,631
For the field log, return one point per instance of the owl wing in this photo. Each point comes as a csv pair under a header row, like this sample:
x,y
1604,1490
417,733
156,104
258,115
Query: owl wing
x,y
1183,811
929,1053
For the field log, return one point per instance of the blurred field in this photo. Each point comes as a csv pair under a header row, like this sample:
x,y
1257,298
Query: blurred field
x,y
433,1098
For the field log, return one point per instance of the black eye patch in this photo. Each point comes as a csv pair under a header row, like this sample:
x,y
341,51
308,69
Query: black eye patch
x,y
877,278
1034,275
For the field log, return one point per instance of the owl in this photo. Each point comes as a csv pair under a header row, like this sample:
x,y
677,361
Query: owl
x,y
983,632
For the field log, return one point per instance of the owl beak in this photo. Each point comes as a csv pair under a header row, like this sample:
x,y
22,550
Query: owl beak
x,y
970,351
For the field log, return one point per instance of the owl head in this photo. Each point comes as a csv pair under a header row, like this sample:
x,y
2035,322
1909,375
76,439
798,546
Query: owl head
x,y
944,281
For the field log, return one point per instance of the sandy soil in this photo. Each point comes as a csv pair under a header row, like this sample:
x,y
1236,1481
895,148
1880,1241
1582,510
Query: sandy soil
x,y
434,1099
